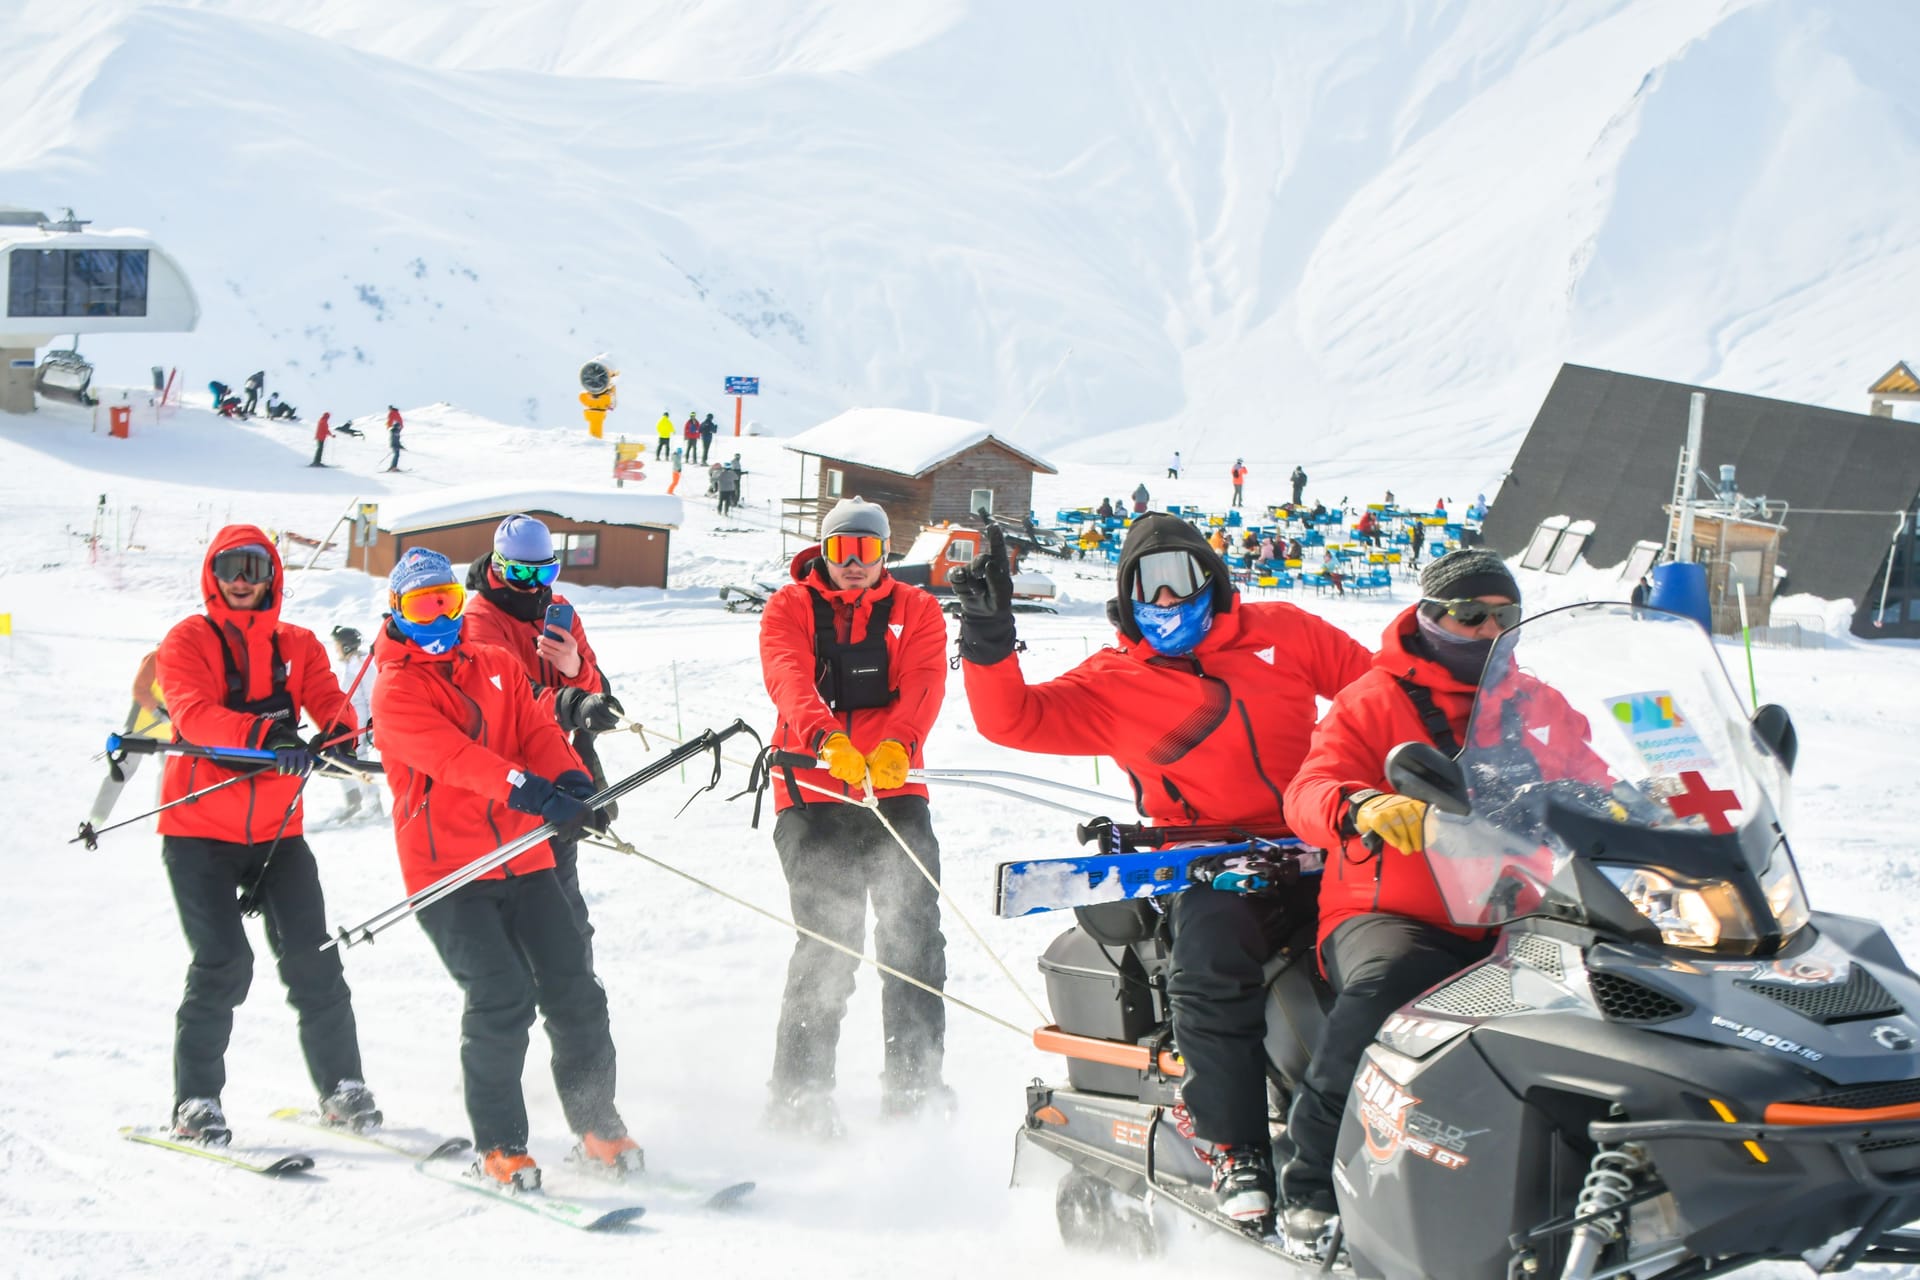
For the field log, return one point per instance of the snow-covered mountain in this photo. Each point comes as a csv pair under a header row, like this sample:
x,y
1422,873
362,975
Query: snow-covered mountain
x,y
1318,231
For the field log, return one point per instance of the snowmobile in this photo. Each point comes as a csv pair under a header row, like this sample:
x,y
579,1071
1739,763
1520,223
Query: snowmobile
x,y
941,548
747,599
1669,1065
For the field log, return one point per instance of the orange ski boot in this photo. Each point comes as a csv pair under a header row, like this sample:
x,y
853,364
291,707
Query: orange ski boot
x,y
615,1157
509,1167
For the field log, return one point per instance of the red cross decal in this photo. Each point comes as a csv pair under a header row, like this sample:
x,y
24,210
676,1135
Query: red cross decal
x,y
1697,799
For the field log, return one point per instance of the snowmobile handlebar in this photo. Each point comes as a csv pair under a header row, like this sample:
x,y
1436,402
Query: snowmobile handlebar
x,y
418,901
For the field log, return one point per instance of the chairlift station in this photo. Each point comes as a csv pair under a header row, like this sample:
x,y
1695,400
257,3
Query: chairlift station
x,y
62,279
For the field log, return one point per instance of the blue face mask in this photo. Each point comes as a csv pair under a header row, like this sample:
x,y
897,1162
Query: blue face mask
x,y
1174,629
437,636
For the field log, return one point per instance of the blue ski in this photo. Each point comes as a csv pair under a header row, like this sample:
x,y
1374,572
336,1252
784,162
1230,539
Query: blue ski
x,y
1056,884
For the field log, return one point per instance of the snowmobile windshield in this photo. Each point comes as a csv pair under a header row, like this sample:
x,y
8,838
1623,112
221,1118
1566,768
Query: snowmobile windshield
x,y
1614,776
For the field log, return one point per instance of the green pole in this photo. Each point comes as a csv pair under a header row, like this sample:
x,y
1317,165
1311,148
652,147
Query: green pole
x,y
1746,639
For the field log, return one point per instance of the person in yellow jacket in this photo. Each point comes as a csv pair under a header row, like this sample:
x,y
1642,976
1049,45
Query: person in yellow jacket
x,y
663,429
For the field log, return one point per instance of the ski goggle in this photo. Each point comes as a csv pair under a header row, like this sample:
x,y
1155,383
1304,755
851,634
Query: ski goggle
x,y
845,548
253,563
520,573
1471,613
1178,571
430,604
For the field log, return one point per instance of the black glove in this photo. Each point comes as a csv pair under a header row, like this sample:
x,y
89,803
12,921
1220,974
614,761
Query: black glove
x,y
581,786
535,795
577,709
291,756
985,592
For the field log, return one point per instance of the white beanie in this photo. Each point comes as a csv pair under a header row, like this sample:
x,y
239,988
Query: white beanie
x,y
855,515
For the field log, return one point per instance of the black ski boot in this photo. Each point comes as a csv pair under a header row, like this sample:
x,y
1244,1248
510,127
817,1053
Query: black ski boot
x,y
201,1120
1243,1184
350,1106
805,1112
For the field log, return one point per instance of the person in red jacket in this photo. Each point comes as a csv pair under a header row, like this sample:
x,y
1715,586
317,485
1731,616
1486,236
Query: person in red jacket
x,y
322,432
1385,935
237,676
508,594
473,764
855,661
1239,482
1208,704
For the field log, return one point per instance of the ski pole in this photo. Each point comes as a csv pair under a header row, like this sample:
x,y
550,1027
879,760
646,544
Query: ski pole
x,y
965,777
417,901
119,747
91,838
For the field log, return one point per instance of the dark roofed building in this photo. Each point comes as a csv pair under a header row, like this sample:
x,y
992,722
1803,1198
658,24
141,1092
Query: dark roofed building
x,y
1605,445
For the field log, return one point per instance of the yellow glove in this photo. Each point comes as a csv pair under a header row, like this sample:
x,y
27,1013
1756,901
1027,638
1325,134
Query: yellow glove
x,y
1399,820
843,759
887,766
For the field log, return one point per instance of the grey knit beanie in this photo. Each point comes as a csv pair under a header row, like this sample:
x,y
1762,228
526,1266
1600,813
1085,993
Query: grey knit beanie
x,y
1464,575
855,515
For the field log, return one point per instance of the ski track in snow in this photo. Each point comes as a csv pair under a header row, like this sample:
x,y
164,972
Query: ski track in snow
x,y
94,960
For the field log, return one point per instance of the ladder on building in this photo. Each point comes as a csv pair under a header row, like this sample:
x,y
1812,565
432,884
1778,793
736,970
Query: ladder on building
x,y
1680,526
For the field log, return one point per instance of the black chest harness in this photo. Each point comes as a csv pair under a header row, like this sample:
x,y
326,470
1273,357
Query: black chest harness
x,y
277,705
1431,716
852,676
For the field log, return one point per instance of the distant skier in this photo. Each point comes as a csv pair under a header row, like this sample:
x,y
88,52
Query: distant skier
x,y
691,435
395,425
1299,481
679,456
346,666
255,382
1173,468
664,430
729,485
321,434
692,426
1417,538
1140,498
708,430
278,408
1239,474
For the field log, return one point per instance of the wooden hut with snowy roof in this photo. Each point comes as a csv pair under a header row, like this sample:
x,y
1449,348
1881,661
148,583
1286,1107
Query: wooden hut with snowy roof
x,y
923,468
603,538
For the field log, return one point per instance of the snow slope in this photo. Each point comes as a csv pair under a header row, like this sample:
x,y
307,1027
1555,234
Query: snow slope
x,y
1362,237
93,957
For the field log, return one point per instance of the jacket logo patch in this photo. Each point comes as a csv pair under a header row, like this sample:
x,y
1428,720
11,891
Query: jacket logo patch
x,y
496,682
895,628
1266,655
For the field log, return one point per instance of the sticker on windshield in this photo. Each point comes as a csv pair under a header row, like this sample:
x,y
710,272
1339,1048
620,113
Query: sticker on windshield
x,y
1660,734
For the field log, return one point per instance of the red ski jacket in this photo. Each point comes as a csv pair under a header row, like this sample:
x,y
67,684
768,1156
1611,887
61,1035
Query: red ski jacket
x,y
322,431
193,676
1372,716
916,668
1213,737
454,727
488,623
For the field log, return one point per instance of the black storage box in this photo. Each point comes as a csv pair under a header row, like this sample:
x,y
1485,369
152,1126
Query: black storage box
x,y
1099,992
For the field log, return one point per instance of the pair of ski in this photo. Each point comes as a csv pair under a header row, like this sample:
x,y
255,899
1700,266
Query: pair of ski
x,y
1034,885
441,1160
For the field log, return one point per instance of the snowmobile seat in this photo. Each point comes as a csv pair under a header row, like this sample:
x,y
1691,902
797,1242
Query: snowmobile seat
x,y
1123,923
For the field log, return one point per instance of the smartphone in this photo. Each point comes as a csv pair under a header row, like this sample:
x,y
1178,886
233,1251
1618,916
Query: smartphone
x,y
560,618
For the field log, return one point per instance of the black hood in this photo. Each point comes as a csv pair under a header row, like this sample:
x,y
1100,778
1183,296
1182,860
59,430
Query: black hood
x,y
1158,531
524,605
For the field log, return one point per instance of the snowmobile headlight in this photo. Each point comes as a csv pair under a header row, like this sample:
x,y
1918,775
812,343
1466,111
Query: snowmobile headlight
x,y
1785,896
1698,914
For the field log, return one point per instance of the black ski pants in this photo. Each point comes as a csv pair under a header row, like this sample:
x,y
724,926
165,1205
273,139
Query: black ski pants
x,y
1375,963
207,877
513,947
835,856
566,866
663,449
1218,992
319,447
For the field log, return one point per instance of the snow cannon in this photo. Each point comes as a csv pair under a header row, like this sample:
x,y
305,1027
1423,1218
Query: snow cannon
x,y
597,396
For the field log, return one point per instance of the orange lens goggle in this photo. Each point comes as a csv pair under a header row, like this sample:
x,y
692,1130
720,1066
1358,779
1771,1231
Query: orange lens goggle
x,y
430,604
844,548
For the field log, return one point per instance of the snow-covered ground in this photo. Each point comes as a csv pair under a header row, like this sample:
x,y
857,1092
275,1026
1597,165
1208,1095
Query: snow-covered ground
x,y
1358,236
92,955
